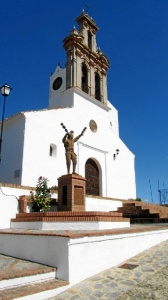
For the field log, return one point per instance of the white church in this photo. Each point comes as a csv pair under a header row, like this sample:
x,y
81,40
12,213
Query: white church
x,y
77,98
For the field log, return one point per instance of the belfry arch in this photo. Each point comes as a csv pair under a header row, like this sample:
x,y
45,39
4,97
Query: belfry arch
x,y
92,175
84,78
97,87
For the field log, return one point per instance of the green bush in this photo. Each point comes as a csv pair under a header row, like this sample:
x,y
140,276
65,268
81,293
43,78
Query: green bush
x,y
137,199
53,188
41,198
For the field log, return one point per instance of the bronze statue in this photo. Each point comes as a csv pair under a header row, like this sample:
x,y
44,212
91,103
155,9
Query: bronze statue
x,y
68,141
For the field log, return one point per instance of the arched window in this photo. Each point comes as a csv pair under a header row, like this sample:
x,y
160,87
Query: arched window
x,y
89,40
52,150
97,87
84,78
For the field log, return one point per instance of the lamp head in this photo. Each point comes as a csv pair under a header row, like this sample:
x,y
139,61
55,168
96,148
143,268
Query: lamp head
x,y
5,90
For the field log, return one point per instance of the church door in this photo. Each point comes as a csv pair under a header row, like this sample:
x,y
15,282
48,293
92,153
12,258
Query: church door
x,y
92,177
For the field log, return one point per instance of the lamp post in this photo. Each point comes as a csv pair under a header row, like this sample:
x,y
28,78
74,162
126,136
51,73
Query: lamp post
x,y
5,91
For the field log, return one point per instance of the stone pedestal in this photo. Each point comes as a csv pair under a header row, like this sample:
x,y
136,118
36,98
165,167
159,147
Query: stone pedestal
x,y
71,193
23,204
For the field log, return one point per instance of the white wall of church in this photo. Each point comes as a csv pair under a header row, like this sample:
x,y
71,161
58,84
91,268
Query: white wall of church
x,y
42,129
117,177
8,208
12,149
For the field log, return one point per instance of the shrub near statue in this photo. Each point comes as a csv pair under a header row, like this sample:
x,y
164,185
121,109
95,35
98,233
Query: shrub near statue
x,y
68,141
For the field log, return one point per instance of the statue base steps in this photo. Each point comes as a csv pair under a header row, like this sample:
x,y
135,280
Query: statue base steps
x,y
81,220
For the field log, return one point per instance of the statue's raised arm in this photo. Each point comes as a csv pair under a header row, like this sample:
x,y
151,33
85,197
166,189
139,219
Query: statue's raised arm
x,y
78,137
68,141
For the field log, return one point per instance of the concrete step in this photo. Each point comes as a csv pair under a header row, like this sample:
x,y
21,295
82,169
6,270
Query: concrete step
x,y
146,205
15,271
143,216
144,221
140,212
21,278
34,291
148,220
17,280
134,210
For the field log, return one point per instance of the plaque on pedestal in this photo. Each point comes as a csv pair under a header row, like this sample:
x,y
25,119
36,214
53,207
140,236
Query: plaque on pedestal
x,y
71,192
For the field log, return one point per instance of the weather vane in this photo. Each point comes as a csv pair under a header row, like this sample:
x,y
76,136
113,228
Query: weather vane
x,y
87,8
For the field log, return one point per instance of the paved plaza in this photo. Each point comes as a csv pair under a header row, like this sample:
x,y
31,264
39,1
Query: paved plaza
x,y
143,277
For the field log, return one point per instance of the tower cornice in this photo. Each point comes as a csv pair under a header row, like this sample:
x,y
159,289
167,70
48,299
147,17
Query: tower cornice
x,y
87,21
74,42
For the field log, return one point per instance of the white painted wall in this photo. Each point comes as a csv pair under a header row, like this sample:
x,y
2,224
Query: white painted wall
x,y
12,149
79,258
52,251
97,204
96,254
9,206
93,225
14,191
38,124
55,96
42,128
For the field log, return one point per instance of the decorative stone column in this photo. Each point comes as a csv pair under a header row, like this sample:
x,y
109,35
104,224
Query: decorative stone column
x,y
71,193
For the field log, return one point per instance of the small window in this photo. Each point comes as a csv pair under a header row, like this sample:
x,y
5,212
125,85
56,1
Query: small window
x,y
17,174
52,150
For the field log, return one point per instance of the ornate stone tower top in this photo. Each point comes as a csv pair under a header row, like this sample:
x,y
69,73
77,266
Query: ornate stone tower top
x,y
86,65
87,29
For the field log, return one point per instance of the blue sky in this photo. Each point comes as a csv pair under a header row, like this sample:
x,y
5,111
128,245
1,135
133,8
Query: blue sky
x,y
133,35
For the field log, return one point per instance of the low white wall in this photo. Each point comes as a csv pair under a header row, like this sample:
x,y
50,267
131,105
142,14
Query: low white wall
x,y
98,204
9,207
48,250
79,258
17,192
92,225
89,256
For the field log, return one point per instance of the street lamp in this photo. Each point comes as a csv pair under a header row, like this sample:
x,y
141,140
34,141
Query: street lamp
x,y
5,91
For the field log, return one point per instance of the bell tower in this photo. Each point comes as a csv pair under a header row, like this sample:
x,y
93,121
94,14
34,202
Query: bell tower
x,y
86,66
